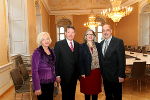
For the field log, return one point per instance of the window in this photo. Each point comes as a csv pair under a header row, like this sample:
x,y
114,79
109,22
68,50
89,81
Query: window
x,y
61,33
61,27
98,32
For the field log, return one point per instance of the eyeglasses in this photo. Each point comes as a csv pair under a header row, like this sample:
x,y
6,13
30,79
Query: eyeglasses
x,y
90,34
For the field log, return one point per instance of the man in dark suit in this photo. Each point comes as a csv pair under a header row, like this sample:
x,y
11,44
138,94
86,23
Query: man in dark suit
x,y
67,53
112,64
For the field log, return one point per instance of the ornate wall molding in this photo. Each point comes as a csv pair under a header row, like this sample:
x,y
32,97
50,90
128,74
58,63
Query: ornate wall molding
x,y
59,17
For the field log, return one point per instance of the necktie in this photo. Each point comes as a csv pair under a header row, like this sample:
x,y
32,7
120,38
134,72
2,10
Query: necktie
x,y
71,47
106,46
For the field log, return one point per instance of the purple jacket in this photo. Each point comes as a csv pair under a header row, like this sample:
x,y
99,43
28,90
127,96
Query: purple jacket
x,y
43,67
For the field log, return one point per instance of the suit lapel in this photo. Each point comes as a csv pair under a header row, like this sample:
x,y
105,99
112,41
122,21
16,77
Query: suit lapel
x,y
66,46
101,48
75,46
87,50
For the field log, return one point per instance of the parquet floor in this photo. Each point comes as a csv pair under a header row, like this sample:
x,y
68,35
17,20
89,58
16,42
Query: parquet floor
x,y
131,91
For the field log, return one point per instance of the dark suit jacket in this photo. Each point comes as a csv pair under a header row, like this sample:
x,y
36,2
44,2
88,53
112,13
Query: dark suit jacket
x,y
113,63
85,59
66,60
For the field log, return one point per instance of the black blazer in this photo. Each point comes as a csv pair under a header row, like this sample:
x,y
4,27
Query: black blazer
x,y
113,63
66,60
85,59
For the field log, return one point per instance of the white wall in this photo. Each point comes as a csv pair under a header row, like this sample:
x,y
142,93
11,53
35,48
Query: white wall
x,y
144,23
145,29
5,78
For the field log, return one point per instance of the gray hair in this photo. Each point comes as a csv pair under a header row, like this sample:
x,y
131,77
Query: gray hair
x,y
40,37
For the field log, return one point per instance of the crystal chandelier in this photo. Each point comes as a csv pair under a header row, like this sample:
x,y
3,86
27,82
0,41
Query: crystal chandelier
x,y
91,22
116,12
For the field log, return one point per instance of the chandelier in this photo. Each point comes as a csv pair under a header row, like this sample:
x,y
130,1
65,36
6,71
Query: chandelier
x,y
116,12
91,22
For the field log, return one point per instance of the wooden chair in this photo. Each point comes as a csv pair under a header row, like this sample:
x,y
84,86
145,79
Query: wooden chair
x,y
20,86
19,61
25,74
138,72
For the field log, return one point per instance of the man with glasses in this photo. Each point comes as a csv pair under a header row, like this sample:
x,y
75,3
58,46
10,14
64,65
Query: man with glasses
x,y
112,64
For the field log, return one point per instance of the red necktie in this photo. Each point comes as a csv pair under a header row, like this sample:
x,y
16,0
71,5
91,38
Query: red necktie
x,y
71,47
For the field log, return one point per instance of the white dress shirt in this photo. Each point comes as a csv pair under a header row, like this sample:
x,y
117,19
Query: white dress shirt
x,y
68,41
104,44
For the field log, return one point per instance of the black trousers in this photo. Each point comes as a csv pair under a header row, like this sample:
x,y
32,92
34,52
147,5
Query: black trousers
x,y
113,90
94,97
68,89
47,91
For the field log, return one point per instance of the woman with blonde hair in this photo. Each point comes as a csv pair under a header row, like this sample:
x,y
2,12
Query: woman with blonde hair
x,y
90,82
43,68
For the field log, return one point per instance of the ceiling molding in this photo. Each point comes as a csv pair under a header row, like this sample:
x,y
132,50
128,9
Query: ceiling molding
x,y
130,2
75,12
69,12
45,3
142,4
80,12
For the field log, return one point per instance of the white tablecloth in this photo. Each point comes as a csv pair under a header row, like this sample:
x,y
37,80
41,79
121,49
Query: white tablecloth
x,y
129,61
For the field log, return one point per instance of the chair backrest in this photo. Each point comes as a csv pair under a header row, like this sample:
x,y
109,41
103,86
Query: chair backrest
x,y
17,63
17,78
143,49
126,47
138,70
24,72
18,60
139,47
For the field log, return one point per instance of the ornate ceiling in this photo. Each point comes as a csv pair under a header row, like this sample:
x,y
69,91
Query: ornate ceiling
x,y
57,6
